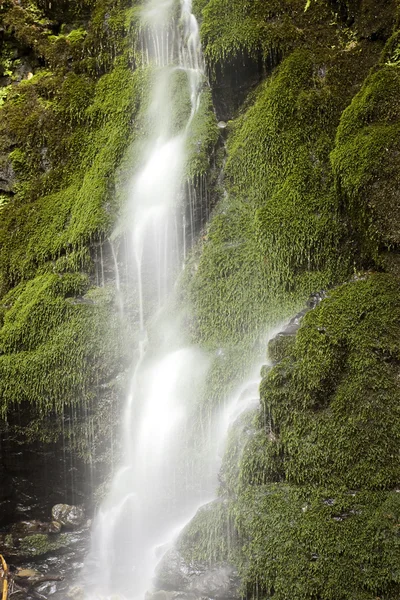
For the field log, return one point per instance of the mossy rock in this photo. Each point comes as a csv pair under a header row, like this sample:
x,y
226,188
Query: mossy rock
x,y
311,480
334,401
261,28
365,19
278,234
319,543
47,360
366,162
38,544
206,538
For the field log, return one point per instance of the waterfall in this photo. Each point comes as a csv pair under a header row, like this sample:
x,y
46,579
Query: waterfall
x,y
157,487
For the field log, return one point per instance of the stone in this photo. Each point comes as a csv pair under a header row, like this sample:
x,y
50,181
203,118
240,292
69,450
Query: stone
x,y
7,175
194,580
29,545
76,593
26,573
67,515
55,527
172,572
222,582
28,527
168,595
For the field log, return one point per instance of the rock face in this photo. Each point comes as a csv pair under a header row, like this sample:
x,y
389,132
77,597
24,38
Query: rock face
x,y
177,578
7,175
69,516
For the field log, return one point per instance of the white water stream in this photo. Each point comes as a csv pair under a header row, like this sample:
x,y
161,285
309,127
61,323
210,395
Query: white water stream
x,y
156,489
164,477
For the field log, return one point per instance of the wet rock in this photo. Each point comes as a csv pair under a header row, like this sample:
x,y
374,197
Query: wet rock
x,y
172,572
316,299
170,595
220,582
7,509
55,527
76,593
233,81
69,516
47,588
195,579
7,175
19,595
25,546
35,526
23,70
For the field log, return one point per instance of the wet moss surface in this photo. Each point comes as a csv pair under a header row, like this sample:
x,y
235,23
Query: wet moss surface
x,y
304,188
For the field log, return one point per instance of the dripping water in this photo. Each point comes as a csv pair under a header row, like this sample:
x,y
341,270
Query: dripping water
x,y
157,486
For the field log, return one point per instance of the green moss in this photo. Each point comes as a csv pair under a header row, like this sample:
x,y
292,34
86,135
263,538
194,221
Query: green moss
x,y
278,235
31,310
66,130
251,457
319,544
41,544
280,346
178,96
202,137
40,330
197,7
334,401
309,482
78,172
207,538
366,162
261,28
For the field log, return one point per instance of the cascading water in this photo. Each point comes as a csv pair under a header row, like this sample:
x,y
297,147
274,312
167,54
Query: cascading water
x,y
155,489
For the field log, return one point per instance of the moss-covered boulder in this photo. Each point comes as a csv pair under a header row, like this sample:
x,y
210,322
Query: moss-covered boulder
x,y
366,162
37,544
69,93
334,400
320,543
261,28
